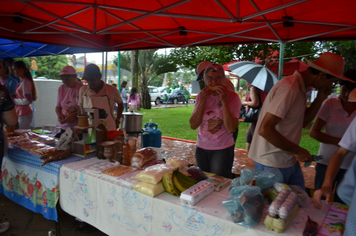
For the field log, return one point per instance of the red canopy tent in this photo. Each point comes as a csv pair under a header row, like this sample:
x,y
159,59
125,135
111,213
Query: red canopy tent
x,y
105,25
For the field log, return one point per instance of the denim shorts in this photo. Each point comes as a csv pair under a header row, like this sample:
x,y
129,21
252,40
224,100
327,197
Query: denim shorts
x,y
291,175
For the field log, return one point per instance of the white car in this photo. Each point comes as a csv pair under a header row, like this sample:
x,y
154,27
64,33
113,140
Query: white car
x,y
155,94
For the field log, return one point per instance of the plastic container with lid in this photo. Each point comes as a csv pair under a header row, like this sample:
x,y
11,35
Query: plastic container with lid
x,y
152,136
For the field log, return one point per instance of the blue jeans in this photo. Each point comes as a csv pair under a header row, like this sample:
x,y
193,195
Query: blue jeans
x,y
125,107
291,175
216,161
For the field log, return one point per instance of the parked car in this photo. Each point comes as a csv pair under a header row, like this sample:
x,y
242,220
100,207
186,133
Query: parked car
x,y
175,96
155,94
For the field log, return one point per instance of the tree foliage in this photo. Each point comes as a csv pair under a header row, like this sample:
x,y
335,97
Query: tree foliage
x,y
190,57
48,66
346,49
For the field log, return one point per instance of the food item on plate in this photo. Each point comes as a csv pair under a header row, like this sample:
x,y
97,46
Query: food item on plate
x,y
142,156
117,170
56,155
44,150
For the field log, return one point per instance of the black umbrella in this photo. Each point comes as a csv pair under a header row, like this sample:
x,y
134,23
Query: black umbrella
x,y
256,74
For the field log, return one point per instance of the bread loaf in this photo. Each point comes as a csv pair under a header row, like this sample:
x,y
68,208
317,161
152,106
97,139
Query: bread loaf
x,y
142,156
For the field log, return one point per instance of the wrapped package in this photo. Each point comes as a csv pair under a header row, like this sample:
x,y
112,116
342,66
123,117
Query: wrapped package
x,y
153,174
152,163
177,162
149,189
44,150
143,156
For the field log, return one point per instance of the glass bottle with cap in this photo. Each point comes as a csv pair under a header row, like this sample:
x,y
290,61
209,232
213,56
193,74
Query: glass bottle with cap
x,y
126,160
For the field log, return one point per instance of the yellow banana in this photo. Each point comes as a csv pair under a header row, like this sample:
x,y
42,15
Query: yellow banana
x,y
168,185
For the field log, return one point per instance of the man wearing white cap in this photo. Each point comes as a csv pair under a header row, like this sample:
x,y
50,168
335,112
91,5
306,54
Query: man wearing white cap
x,y
285,113
67,102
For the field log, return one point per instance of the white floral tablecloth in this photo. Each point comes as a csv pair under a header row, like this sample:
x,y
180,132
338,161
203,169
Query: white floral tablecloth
x,y
109,204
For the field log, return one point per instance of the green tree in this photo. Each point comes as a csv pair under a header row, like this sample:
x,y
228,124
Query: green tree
x,y
190,57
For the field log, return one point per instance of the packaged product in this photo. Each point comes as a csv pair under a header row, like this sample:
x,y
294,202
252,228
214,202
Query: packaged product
x,y
149,189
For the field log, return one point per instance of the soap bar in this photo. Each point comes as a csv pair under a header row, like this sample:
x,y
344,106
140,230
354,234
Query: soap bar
x,y
197,192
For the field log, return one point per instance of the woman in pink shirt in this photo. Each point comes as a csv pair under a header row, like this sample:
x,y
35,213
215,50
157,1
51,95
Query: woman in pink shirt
x,y
26,93
134,98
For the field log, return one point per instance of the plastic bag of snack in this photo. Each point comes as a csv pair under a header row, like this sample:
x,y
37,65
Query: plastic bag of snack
x,y
149,189
196,173
177,162
245,205
153,174
264,178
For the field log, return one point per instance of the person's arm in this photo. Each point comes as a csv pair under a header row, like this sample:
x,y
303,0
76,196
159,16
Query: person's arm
x,y
332,170
316,133
120,107
268,131
9,117
254,97
311,111
197,117
231,123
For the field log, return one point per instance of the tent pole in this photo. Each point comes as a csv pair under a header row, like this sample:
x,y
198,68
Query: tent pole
x,y
106,67
118,71
281,58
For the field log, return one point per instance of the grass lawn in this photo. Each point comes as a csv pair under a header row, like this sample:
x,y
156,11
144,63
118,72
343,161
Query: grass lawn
x,y
174,122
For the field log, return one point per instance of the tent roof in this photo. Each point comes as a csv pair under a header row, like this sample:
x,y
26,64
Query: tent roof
x,y
100,25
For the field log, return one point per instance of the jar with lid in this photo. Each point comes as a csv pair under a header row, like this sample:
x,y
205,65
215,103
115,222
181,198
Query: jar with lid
x,y
101,134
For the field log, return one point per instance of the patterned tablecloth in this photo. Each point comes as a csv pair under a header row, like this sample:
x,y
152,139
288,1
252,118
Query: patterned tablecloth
x,y
109,204
25,182
186,148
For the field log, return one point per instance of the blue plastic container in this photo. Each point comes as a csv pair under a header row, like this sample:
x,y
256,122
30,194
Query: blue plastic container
x,y
152,136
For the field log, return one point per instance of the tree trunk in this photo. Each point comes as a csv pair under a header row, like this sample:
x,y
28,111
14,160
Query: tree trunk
x,y
134,67
145,96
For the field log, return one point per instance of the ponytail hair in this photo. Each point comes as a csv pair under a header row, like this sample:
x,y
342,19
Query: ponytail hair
x,y
27,73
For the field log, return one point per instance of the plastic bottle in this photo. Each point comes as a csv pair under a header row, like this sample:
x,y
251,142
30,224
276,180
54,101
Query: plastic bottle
x,y
126,160
101,134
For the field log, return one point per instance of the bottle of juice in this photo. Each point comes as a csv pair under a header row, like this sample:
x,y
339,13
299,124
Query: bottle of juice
x,y
126,160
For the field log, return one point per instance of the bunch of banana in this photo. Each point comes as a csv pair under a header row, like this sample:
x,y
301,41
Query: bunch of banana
x,y
168,185
181,181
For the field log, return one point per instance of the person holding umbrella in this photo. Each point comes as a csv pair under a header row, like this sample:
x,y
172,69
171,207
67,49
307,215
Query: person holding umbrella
x,y
284,114
216,113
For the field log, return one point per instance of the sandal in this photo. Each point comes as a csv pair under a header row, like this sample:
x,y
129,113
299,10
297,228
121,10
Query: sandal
x,y
4,227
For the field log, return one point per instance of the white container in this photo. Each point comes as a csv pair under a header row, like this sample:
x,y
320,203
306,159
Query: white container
x,y
197,192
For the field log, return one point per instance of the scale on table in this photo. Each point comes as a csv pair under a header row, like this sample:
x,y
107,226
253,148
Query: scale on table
x,y
87,146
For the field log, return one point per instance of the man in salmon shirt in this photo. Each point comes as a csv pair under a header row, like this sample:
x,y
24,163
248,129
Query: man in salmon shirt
x,y
68,96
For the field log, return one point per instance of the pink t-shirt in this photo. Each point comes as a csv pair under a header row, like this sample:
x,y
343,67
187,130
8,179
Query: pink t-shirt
x,y
212,134
68,101
24,97
135,101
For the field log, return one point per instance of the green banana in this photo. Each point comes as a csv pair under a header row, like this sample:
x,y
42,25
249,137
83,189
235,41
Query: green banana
x,y
179,185
185,180
168,185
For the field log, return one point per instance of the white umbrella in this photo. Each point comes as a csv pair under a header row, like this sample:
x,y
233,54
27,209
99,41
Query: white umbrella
x,y
256,74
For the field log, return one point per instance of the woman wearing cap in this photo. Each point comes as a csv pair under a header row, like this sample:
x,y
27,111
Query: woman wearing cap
x,y
67,101
216,113
26,93
332,120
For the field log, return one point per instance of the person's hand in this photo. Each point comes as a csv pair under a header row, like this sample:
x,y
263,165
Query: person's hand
x,y
303,155
71,117
61,118
324,191
204,94
223,93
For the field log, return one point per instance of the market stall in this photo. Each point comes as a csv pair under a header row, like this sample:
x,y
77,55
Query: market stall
x,y
26,182
110,204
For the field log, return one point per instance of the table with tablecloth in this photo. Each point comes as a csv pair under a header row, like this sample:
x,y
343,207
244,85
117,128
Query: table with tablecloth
x,y
109,204
26,182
